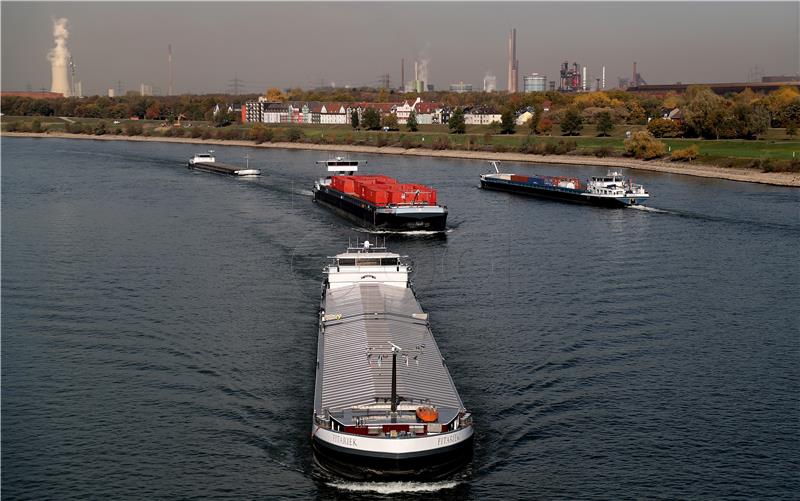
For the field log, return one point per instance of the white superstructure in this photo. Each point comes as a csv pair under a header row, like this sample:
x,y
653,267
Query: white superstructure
x,y
613,185
202,158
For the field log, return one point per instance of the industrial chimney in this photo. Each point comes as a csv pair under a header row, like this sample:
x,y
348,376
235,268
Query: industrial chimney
x,y
59,58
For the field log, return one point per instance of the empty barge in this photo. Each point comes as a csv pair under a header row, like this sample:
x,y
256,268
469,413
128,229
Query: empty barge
x,y
207,163
385,405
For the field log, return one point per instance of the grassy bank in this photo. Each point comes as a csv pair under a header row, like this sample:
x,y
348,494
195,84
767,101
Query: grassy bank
x,y
776,152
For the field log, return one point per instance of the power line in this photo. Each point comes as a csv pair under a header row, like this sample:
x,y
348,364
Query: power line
x,y
384,81
235,84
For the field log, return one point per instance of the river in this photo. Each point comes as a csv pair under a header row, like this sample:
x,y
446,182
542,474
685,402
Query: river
x,y
159,330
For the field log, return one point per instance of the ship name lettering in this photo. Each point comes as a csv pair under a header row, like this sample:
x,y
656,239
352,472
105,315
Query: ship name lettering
x,y
348,441
448,440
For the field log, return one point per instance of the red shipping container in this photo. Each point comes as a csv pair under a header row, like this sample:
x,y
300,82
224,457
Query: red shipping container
x,y
375,195
343,183
520,179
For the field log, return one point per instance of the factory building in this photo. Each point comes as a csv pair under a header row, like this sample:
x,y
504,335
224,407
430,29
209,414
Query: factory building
x,y
460,87
534,83
571,80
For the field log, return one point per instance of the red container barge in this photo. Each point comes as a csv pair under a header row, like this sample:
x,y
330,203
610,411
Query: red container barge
x,y
381,202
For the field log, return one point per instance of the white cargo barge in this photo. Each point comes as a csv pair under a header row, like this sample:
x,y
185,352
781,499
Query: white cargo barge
x,y
384,404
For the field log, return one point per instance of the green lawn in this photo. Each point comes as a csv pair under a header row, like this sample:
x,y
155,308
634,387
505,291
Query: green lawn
x,y
776,144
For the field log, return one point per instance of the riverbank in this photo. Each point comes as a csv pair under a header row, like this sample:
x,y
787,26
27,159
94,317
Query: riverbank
x,y
689,169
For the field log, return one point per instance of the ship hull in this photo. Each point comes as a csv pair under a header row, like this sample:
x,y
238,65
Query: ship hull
x,y
363,213
561,194
223,169
427,464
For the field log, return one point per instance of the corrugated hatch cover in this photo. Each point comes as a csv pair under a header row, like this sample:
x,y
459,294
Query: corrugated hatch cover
x,y
372,315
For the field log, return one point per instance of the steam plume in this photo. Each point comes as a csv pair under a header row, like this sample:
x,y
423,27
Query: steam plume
x,y
59,58
424,59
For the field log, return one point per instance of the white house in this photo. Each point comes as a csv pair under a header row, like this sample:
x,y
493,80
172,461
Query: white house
x,y
481,117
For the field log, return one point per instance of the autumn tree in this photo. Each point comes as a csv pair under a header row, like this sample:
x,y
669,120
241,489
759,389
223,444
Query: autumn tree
x,y
389,120
703,112
545,126
275,95
663,127
790,114
354,119
153,111
643,145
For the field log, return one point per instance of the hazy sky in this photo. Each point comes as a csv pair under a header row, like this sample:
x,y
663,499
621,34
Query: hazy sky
x,y
303,44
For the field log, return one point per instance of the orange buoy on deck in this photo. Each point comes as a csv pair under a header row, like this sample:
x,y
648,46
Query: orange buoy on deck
x,y
427,414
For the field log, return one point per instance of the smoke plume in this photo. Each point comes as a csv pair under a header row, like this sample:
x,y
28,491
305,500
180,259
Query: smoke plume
x,y
424,58
59,58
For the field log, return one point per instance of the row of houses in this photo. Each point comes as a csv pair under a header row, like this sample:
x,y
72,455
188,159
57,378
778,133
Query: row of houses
x,y
333,113
294,112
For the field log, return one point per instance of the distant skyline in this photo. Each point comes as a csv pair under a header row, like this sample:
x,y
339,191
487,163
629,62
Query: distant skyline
x,y
307,44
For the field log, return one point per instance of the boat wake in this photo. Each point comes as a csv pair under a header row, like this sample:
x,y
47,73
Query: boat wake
x,y
647,209
308,193
393,487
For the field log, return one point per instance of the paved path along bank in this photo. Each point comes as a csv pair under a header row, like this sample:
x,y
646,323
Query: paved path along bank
x,y
744,175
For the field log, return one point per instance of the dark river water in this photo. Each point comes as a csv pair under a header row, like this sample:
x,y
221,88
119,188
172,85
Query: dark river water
x,y
159,330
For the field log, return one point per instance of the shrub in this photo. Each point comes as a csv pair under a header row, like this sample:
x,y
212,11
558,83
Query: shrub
x,y
381,140
260,134
440,143
525,146
663,127
644,146
101,128
133,129
294,134
407,142
206,134
603,151
766,165
686,154
12,127
564,147
36,126
544,126
195,132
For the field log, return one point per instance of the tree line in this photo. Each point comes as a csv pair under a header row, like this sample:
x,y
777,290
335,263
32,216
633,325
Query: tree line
x,y
702,112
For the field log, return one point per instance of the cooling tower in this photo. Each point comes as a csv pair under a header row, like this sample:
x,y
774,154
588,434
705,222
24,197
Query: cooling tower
x,y
59,58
